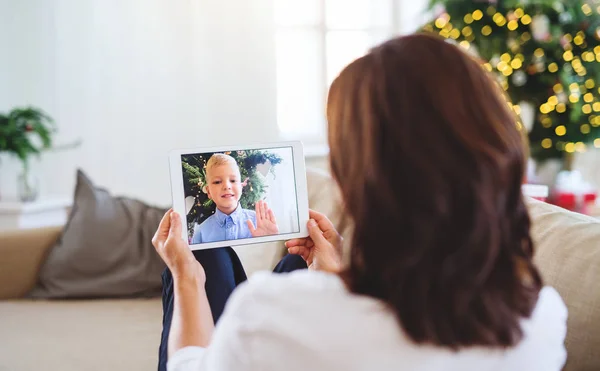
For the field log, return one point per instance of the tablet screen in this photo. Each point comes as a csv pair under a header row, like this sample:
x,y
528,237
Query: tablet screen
x,y
241,194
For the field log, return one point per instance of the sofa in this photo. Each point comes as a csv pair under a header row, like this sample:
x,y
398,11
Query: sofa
x,y
123,334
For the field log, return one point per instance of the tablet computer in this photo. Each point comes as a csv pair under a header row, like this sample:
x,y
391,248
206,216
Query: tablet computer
x,y
237,195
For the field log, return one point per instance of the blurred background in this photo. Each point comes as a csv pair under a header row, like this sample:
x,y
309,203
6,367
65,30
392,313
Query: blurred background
x,y
133,79
95,93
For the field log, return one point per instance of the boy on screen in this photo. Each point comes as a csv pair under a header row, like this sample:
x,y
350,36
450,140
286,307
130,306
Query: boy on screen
x,y
230,221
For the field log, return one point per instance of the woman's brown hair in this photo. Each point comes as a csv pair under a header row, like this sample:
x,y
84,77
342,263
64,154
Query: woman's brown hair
x,y
430,162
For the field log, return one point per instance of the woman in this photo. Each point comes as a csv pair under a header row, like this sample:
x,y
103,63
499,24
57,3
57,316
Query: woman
x,y
429,161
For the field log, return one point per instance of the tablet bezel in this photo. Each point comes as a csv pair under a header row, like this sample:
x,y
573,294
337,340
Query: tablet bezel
x,y
176,174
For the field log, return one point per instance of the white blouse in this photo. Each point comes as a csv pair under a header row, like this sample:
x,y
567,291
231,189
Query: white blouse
x,y
307,320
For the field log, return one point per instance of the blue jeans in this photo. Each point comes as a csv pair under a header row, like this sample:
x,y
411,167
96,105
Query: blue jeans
x,y
224,272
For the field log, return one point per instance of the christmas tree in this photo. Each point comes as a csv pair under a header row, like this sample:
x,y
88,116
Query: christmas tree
x,y
544,52
194,181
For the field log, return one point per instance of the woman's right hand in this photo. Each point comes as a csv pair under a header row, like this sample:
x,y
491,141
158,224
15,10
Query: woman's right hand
x,y
174,250
322,249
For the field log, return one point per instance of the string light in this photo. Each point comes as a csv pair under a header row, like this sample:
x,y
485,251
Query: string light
x,y
568,55
525,36
560,130
574,87
578,40
468,18
570,147
491,10
587,109
553,100
442,20
507,71
539,52
486,30
544,108
517,109
558,88
488,67
597,143
512,25
561,108
499,19
573,98
596,107
519,12
580,147
455,34
465,44
526,19
588,98
587,10
547,122
547,143
585,129
477,15
590,83
552,67
516,64
467,31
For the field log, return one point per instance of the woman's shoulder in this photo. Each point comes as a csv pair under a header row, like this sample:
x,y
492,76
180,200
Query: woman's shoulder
x,y
550,309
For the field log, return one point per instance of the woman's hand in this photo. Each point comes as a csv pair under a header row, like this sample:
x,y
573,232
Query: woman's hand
x,y
322,250
174,251
266,225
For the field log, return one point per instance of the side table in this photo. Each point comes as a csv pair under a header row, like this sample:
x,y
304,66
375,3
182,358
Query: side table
x,y
47,212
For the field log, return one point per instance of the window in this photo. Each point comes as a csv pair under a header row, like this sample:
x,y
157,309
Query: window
x,y
315,40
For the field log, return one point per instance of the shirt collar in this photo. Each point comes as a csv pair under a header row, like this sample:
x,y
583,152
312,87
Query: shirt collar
x,y
222,217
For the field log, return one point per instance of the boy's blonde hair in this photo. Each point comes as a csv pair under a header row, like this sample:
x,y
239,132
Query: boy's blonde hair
x,y
219,159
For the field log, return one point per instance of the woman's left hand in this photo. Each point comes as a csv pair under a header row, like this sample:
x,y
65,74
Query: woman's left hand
x,y
174,251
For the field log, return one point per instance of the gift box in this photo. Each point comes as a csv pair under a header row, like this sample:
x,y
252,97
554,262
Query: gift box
x,y
573,193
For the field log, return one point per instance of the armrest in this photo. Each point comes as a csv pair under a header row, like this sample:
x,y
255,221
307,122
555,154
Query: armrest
x,y
22,252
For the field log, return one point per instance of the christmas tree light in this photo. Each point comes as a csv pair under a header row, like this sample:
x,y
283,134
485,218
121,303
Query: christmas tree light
x,y
545,52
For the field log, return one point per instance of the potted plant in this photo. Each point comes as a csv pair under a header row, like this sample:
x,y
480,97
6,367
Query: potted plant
x,y
26,132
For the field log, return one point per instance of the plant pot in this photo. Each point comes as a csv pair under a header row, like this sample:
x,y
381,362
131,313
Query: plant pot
x,y
28,186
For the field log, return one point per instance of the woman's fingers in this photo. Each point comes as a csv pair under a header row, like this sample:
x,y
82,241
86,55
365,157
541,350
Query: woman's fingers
x,y
300,242
301,250
324,223
162,232
175,227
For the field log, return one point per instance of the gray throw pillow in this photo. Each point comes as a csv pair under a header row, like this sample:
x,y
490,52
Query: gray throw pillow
x,y
105,250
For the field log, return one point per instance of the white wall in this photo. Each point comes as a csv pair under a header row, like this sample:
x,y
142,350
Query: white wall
x,y
134,79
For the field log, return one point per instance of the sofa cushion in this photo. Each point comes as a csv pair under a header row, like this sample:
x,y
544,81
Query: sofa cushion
x,y
80,335
105,249
22,253
568,256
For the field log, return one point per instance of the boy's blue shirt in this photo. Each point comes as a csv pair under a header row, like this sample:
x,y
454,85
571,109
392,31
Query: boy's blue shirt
x,y
223,227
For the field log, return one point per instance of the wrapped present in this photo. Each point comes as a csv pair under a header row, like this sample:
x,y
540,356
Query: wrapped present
x,y
573,193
